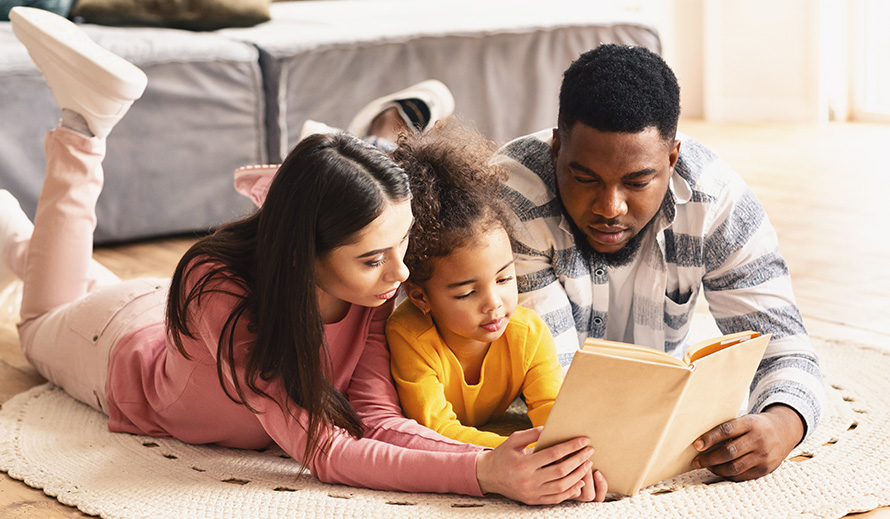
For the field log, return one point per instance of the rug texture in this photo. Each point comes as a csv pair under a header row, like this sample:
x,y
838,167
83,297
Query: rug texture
x,y
52,442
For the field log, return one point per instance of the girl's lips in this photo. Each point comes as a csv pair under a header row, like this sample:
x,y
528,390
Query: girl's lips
x,y
493,326
388,295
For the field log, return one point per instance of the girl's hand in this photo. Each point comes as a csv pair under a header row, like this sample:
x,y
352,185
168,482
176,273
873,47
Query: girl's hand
x,y
549,476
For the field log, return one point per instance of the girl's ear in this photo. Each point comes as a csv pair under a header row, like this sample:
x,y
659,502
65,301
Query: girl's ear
x,y
417,295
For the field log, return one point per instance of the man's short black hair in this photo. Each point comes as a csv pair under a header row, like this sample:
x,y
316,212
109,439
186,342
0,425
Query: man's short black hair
x,y
619,88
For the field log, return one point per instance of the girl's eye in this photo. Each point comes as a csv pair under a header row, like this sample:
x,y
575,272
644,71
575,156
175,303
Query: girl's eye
x,y
505,280
464,296
375,263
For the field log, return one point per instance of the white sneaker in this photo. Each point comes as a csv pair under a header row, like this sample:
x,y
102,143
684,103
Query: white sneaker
x,y
438,101
84,77
311,127
14,225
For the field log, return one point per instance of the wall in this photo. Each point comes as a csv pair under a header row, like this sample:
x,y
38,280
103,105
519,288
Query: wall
x,y
755,60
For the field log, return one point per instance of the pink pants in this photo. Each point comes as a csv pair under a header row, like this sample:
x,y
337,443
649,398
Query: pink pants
x,y
74,310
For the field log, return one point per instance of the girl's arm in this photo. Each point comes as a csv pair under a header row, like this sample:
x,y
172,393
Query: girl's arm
x,y
422,394
374,398
544,374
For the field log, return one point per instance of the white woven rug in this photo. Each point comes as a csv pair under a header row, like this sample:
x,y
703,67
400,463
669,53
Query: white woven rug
x,y
54,443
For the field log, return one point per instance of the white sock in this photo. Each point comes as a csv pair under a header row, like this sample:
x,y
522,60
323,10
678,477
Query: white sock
x,y
74,121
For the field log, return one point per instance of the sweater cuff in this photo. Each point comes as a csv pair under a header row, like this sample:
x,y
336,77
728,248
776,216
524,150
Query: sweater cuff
x,y
807,407
467,475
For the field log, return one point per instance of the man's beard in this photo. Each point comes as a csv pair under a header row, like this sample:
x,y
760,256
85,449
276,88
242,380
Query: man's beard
x,y
621,257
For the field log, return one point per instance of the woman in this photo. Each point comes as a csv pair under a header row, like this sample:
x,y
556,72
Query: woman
x,y
274,324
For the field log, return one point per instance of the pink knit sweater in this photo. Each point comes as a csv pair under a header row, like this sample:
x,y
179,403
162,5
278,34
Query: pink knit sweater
x,y
154,390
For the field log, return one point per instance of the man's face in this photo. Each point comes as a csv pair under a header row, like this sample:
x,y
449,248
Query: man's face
x,y
612,183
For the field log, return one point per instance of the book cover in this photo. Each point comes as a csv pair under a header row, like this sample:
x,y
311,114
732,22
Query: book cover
x,y
642,408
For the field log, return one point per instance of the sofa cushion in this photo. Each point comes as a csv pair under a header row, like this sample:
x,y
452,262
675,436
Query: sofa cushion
x,y
502,59
170,160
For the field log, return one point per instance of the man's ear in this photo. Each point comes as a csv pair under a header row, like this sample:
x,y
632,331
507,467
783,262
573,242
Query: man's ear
x,y
417,295
674,153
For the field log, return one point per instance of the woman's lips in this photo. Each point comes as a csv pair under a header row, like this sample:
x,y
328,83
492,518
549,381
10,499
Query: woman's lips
x,y
388,295
495,325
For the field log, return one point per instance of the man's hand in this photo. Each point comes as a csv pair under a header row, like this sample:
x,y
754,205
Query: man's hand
x,y
750,446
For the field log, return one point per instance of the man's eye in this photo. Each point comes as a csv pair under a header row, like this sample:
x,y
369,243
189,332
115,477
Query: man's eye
x,y
464,296
584,180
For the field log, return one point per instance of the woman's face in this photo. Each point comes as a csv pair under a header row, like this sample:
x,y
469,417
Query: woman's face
x,y
369,271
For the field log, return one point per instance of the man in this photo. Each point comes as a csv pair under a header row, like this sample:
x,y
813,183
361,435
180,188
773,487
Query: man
x,y
621,223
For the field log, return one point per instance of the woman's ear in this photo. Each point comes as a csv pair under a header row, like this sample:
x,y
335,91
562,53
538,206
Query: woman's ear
x,y
417,295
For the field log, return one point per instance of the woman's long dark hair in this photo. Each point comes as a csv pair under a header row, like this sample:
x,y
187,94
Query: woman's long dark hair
x,y
327,190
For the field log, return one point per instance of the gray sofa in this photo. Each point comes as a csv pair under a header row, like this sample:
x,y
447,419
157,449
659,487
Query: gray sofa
x,y
219,100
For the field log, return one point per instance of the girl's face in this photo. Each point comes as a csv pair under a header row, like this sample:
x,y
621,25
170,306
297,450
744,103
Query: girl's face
x,y
472,293
369,271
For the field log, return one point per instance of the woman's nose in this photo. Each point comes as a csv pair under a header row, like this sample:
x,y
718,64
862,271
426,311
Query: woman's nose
x,y
399,272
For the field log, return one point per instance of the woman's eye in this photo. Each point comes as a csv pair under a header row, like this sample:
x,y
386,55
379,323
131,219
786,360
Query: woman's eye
x,y
375,263
464,296
638,185
505,280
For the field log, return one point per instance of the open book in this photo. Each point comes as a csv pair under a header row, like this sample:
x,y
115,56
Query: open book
x,y
642,409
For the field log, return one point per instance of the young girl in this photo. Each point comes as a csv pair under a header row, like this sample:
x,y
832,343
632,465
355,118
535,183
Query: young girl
x,y
274,323
462,350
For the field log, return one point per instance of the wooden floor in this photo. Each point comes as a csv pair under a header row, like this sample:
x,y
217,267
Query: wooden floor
x,y
824,187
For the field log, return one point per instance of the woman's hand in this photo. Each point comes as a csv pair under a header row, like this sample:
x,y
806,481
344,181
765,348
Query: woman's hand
x,y
595,487
548,476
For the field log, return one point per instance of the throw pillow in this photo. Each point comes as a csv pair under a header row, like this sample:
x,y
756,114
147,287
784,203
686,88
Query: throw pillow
x,y
195,15
60,7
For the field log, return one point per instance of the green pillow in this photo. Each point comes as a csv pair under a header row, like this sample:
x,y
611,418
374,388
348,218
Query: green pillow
x,y
195,15
60,7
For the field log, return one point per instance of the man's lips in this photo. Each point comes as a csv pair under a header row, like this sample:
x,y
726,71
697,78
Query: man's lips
x,y
494,325
607,234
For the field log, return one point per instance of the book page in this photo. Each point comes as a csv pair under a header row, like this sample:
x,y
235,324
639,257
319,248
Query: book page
x,y
631,351
623,405
720,382
709,346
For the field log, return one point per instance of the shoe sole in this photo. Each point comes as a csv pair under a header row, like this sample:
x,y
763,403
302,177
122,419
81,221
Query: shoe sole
x,y
55,38
431,89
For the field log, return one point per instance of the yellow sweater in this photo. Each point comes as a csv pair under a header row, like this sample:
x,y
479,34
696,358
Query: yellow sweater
x,y
431,383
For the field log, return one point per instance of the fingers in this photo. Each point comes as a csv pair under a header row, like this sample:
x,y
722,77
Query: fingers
x,y
726,453
721,433
572,492
565,466
559,451
749,466
521,439
602,486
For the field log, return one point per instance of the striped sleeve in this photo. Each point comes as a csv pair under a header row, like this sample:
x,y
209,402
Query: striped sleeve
x,y
748,287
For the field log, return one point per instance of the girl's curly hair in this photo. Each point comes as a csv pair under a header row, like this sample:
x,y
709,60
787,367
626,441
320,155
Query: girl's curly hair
x,y
456,191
